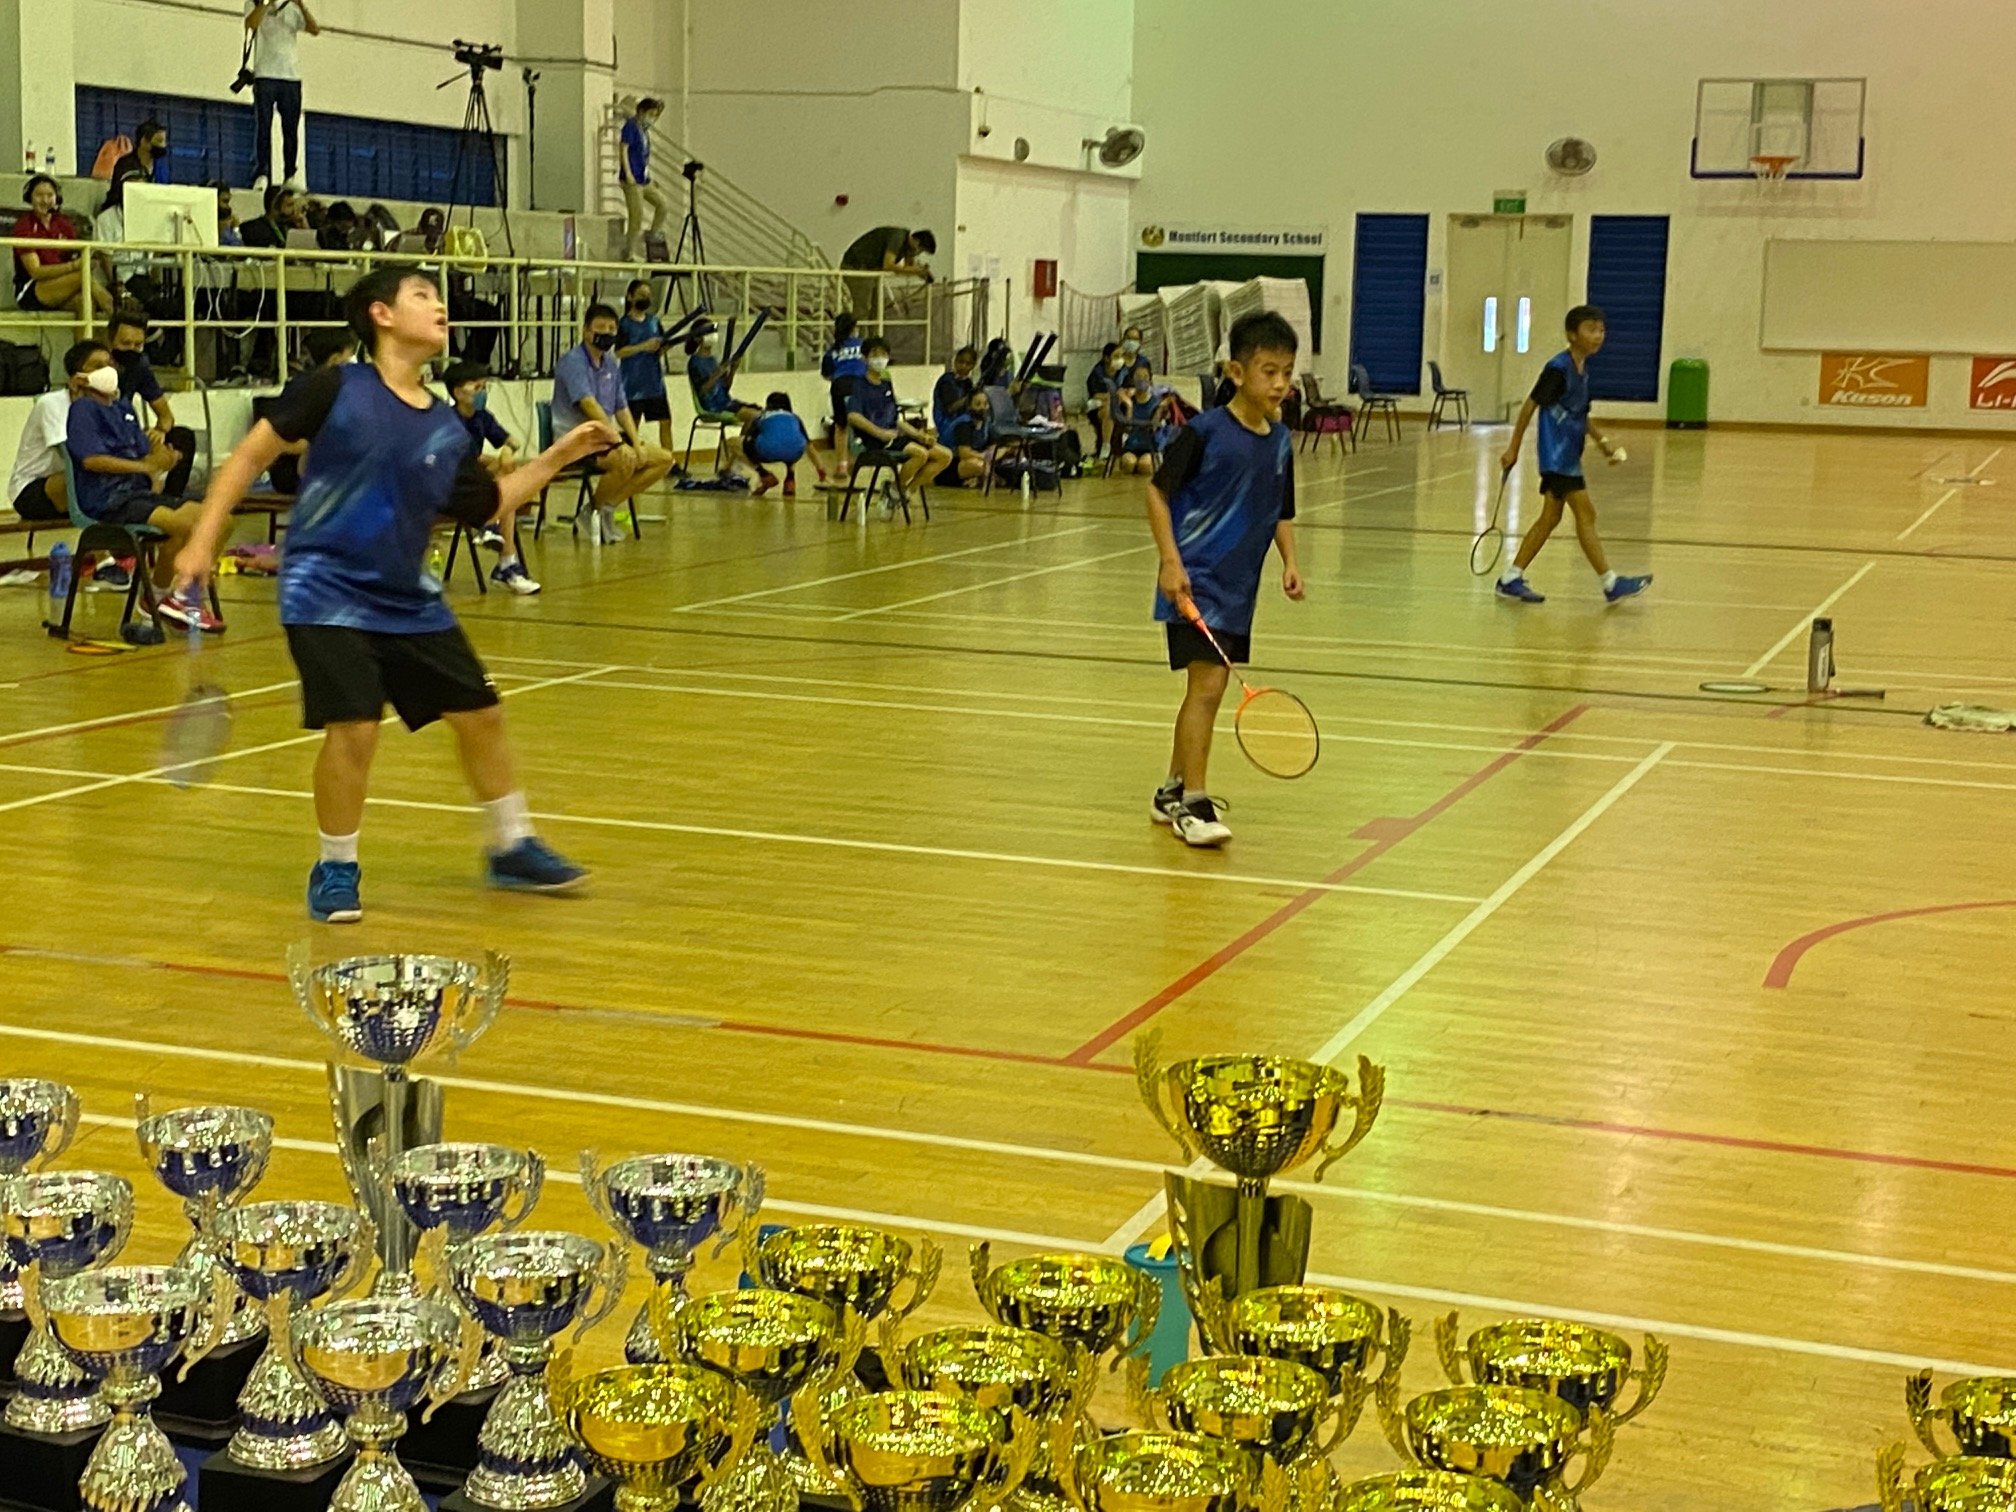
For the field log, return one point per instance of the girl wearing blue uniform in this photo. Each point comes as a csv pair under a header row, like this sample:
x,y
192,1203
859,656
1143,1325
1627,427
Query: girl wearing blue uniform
x,y
842,363
778,436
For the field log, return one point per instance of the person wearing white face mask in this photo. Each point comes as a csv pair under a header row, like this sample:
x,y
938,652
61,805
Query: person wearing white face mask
x,y
37,486
877,422
633,166
119,480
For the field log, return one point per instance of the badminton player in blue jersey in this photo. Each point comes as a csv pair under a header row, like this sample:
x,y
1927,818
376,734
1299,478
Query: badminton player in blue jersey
x,y
366,623
1561,399
1224,494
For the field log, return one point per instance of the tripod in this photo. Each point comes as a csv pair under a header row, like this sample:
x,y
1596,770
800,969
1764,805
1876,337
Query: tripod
x,y
689,235
479,135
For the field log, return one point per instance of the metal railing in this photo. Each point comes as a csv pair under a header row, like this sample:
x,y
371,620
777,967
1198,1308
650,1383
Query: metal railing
x,y
235,308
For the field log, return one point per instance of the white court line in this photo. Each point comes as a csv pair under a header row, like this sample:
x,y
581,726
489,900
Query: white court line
x,y
1790,771
1370,1014
932,598
1937,505
15,737
1982,466
843,577
1806,623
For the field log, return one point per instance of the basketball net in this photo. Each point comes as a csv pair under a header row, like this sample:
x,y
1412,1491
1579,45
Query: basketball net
x,y
1771,168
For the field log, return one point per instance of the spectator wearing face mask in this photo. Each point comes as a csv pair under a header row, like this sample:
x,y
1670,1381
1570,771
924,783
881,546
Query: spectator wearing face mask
x,y
147,162
633,166
126,336
878,422
469,386
953,388
640,347
1099,386
588,385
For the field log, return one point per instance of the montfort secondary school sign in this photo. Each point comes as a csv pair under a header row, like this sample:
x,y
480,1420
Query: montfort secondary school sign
x,y
1266,241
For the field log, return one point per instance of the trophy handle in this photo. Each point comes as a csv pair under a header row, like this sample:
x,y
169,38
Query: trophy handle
x,y
526,1190
809,1421
31,1296
1350,1406
748,1420
1595,1450
1451,1352
430,1258
749,1192
1147,1312
1371,1094
122,1225
889,1344
1274,1487
592,1171
1212,1310
927,1259
1399,1338
1651,1375
1073,1435
358,1261
1143,1398
982,1272
453,1377
1154,1088
847,1349
490,990
612,1274
1925,1418
67,1118
558,1382
213,1321
1011,1466
1890,1478
752,1253
1387,1395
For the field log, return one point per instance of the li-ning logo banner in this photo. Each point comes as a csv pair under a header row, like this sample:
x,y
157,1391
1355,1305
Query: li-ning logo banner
x,y
1994,384
1874,380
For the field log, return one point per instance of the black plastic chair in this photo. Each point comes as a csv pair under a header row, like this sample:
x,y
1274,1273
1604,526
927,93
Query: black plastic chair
x,y
1321,417
135,541
1372,402
1446,399
871,464
1005,428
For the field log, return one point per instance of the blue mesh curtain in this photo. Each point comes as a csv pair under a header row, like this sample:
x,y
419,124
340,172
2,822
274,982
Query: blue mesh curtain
x,y
1627,280
1389,282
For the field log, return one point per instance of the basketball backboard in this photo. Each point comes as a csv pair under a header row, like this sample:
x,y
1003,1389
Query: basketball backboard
x,y
1817,123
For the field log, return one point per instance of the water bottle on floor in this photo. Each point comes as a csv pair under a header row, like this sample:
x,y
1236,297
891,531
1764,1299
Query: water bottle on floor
x,y
1820,656
60,567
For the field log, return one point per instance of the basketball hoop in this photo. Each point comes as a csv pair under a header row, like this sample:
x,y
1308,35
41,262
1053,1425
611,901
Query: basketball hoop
x,y
1771,167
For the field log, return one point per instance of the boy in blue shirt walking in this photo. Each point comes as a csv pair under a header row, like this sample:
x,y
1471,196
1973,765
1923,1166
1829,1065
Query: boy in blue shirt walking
x,y
1225,493
1561,398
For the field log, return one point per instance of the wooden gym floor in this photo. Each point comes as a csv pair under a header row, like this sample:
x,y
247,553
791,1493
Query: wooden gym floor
x,y
1691,1006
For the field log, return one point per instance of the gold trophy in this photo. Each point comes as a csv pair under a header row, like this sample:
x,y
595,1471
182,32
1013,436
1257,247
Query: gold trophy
x,y
1256,1117
1277,1409
1093,1301
845,1266
914,1451
1004,1369
1980,1413
1583,1366
652,1429
1427,1491
1168,1472
1332,1332
1510,1434
1966,1483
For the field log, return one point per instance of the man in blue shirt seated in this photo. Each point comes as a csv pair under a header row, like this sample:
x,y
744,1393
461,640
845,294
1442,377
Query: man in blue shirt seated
x,y
877,422
588,386
468,385
122,477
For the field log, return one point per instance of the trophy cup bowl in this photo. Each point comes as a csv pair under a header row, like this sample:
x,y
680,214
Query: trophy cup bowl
x,y
1273,1407
649,1428
1980,1413
525,1288
846,1266
63,1222
372,1360
394,1010
917,1451
285,1255
1962,1483
1097,1301
38,1119
668,1206
1005,1370
465,1189
211,1157
1520,1437
1161,1472
1331,1331
768,1342
1427,1491
122,1325
1583,1366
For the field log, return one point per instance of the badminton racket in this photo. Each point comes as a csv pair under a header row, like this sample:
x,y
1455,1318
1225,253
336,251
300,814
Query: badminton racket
x,y
1276,731
1491,533
200,727
755,329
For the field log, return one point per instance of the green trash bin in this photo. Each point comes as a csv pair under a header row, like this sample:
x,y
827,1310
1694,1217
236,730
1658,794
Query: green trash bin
x,y
1687,394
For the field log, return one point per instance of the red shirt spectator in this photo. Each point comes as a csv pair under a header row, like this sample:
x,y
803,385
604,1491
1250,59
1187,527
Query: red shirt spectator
x,y
42,221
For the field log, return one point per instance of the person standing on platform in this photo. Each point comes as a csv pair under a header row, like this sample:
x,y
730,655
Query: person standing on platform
x,y
633,168
276,27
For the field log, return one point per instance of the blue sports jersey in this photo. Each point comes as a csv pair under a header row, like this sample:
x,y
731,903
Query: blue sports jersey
x,y
1564,415
378,474
643,372
484,426
875,403
710,389
1227,489
637,150
948,396
136,376
777,436
101,428
843,360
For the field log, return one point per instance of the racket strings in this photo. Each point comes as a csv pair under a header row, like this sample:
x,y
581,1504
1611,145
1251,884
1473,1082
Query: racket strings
x,y
1278,733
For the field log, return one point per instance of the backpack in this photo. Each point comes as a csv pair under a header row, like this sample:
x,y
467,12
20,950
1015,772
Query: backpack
x,y
108,156
23,369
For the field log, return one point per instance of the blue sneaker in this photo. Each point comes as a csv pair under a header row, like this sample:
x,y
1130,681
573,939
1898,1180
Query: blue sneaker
x,y
533,866
1627,587
332,892
1520,591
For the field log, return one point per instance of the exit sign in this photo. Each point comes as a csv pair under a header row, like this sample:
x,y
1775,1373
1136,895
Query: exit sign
x,y
1508,202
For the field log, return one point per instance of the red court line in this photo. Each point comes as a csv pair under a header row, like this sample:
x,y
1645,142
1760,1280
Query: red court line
x,y
1384,835
1787,960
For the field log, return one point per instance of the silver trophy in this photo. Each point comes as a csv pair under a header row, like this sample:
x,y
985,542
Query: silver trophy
x,y
123,1325
38,1119
525,1289
285,1255
393,1012
212,1158
373,1360
63,1222
668,1206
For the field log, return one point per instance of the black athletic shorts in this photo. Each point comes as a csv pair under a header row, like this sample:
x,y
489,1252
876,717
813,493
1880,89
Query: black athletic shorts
x,y
135,508
34,503
651,407
1187,645
349,674
1560,485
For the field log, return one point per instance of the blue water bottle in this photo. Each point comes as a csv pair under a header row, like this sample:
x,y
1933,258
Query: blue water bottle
x,y
59,574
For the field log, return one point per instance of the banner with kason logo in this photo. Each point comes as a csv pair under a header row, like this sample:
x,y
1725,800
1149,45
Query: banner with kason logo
x,y
1874,380
1269,241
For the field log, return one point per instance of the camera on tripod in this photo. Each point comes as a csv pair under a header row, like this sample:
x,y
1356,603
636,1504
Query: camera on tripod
x,y
478,56
691,168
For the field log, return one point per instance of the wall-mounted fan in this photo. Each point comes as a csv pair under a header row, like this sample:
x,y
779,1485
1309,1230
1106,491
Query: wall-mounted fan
x,y
1571,157
1118,147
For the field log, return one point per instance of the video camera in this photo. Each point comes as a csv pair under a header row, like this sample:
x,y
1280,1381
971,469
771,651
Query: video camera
x,y
478,56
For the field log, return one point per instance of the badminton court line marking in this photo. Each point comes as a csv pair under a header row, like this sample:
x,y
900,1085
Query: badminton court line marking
x,y
1036,572
1038,1153
1937,504
132,716
1806,623
1787,960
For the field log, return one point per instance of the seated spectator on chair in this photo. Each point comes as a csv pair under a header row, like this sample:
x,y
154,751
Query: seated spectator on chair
x,y
52,281
121,477
878,423
339,230
588,385
712,392
1139,410
431,228
953,388
776,435
126,337
967,438
1130,343
326,346
283,214
147,162
228,234
840,364
1099,386
641,349
469,386
37,487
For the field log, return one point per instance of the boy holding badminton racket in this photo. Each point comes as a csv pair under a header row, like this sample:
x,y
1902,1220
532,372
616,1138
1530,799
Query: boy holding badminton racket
x,y
365,623
1225,493
1561,399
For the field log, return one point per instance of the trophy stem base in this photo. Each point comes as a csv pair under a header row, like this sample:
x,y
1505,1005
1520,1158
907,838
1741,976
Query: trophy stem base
x,y
52,1396
377,1482
203,1408
43,1471
224,1484
440,1453
133,1469
597,1496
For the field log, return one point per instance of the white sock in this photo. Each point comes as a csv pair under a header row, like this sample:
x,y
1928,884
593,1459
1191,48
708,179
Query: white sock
x,y
510,820
338,847
1513,573
1192,796
1609,581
